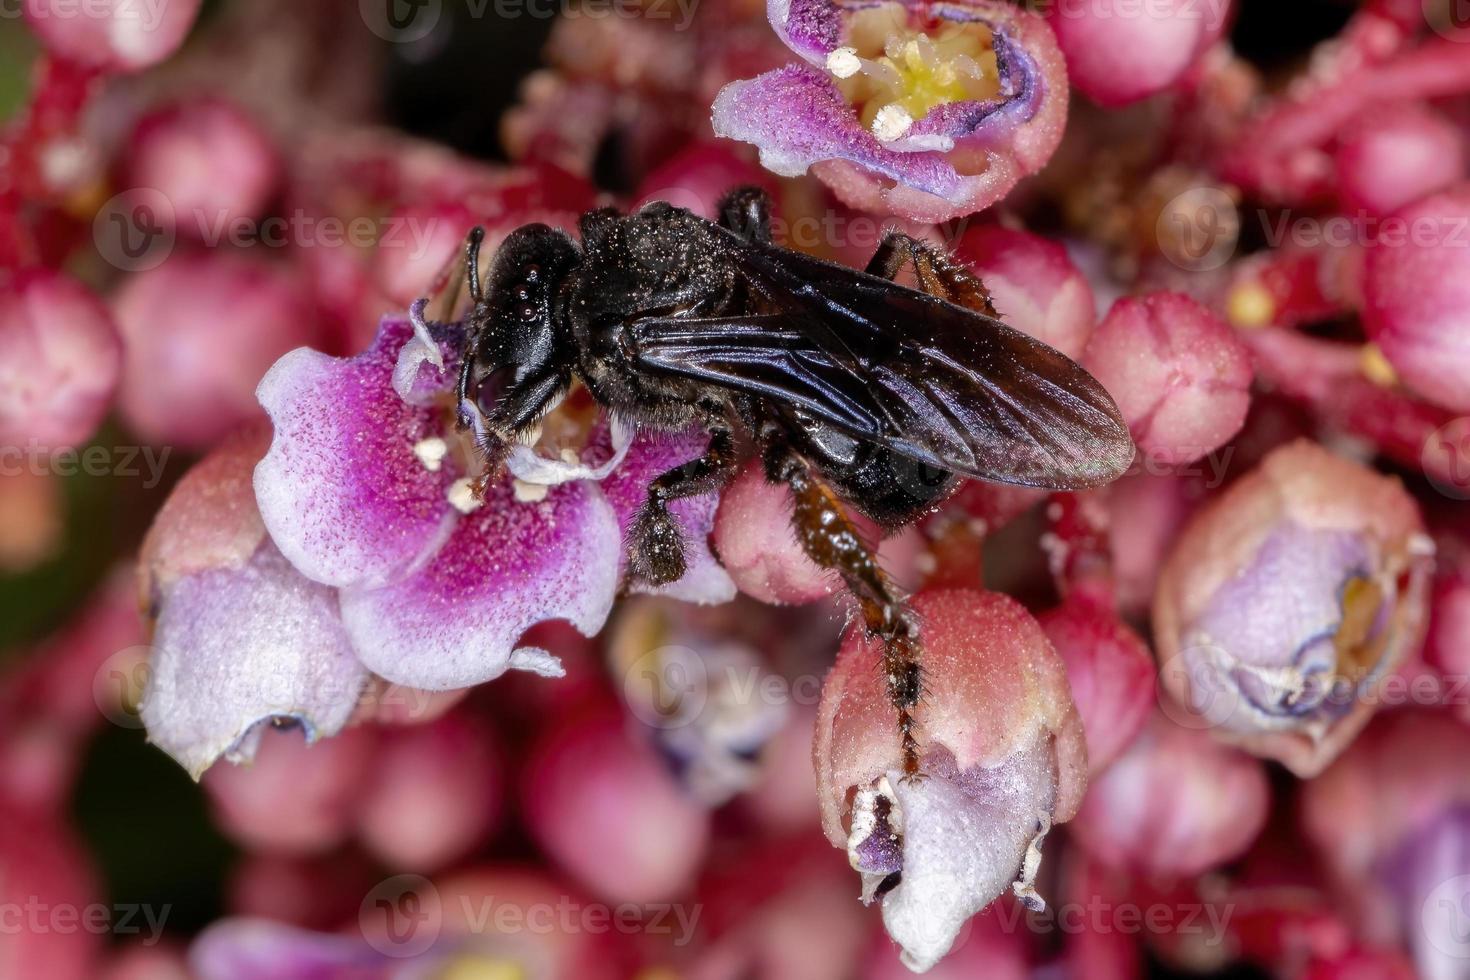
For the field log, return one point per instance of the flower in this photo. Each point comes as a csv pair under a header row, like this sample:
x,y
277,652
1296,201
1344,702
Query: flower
x,y
1118,53
1033,284
925,110
1003,760
60,358
1417,293
368,488
114,35
1174,803
1287,599
1180,376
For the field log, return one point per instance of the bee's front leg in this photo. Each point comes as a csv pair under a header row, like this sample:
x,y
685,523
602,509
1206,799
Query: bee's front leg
x,y
656,549
937,273
830,538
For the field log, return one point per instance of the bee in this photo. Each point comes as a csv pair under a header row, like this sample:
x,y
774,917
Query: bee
x,y
858,393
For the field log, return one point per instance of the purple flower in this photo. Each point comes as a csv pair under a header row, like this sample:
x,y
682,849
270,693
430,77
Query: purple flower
x,y
1285,603
388,551
927,110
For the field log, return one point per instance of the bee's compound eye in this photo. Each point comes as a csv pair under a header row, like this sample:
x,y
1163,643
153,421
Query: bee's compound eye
x,y
491,389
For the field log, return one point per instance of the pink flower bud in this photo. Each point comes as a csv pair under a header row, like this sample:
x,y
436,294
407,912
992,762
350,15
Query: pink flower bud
x,y
1119,52
209,159
112,34
1287,600
59,362
429,240
1395,155
1145,513
1179,375
296,797
1110,672
1416,286
436,793
1175,803
1033,284
145,960
1002,752
605,808
699,176
200,332
758,547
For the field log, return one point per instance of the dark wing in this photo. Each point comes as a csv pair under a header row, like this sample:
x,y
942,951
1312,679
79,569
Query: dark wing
x,y
935,382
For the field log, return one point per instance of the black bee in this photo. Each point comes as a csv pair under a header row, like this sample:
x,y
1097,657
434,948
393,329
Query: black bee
x,y
857,391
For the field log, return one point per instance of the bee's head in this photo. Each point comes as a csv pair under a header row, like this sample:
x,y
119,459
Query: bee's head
x,y
517,366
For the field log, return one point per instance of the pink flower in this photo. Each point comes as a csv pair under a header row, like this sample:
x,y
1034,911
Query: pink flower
x,y
1119,52
200,330
1175,803
1003,753
112,34
1033,283
1287,600
60,359
925,110
1416,286
1180,376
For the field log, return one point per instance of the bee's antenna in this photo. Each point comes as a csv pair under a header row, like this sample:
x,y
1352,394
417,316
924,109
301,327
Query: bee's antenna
x,y
472,262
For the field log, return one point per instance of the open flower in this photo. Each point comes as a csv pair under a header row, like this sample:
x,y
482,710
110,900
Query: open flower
x,y
369,488
1287,600
1003,758
364,546
925,110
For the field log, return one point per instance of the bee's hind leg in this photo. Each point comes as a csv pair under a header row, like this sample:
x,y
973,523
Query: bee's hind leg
x,y
937,273
830,538
656,548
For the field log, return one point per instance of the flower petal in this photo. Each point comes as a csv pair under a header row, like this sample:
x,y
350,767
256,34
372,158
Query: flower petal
x,y
341,490
235,647
528,466
651,455
811,28
967,837
508,566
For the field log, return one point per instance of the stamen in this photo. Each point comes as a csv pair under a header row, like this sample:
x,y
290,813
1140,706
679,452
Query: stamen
x,y
431,452
530,493
844,62
463,496
892,122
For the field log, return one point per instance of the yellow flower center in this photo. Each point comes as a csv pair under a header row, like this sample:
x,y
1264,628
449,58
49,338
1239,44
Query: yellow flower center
x,y
895,74
474,967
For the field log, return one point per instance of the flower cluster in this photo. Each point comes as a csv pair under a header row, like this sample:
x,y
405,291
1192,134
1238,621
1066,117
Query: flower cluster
x,y
428,722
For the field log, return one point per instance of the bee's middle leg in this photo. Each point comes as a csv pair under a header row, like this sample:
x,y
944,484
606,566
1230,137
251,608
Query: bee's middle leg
x,y
830,538
656,551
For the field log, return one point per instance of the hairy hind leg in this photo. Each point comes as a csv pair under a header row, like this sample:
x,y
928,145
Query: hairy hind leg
x,y
830,538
